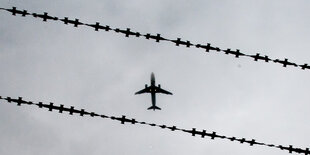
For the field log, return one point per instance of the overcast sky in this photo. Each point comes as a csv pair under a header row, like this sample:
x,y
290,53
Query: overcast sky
x,y
101,71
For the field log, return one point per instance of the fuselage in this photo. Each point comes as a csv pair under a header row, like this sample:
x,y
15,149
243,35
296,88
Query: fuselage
x,y
152,79
153,89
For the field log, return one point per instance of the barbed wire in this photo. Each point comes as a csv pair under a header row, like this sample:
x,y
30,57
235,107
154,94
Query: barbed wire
x,y
127,32
123,120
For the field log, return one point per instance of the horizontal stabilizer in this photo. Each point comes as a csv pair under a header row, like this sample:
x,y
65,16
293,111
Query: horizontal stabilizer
x,y
154,108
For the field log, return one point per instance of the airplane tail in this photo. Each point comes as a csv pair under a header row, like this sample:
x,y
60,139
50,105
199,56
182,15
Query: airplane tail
x,y
153,108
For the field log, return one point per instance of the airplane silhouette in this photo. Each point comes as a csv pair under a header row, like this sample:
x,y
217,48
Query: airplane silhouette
x,y
127,32
15,11
74,22
179,42
153,89
258,57
285,62
157,37
208,47
97,26
44,16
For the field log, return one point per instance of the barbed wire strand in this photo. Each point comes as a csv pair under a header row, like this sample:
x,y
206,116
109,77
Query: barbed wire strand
x,y
178,42
123,120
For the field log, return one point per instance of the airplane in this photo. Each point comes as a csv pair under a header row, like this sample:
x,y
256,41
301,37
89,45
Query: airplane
x,y
258,57
285,62
75,22
157,37
208,47
44,16
153,89
97,26
179,42
14,11
127,32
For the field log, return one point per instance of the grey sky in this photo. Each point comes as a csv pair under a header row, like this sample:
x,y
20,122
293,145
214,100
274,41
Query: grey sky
x,y
100,71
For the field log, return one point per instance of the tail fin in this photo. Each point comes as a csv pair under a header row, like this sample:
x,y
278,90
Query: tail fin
x,y
154,108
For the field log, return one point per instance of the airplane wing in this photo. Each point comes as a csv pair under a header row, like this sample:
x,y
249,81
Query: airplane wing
x,y
160,90
145,90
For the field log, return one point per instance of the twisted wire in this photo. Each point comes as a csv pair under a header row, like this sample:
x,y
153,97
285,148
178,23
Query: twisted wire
x,y
123,120
158,37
